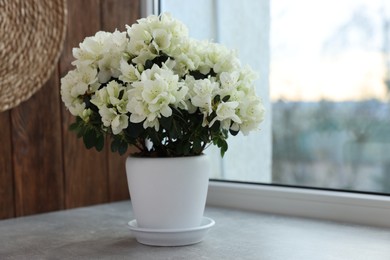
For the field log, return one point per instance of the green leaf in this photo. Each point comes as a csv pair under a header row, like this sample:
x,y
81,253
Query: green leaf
x,y
80,131
223,146
89,138
186,148
211,116
166,122
197,75
160,59
121,94
223,151
178,148
226,98
114,146
134,130
216,126
176,130
74,127
148,64
233,133
197,147
119,145
122,148
99,143
78,127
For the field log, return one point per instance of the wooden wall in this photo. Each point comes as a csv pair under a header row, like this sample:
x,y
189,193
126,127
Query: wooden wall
x,y
43,166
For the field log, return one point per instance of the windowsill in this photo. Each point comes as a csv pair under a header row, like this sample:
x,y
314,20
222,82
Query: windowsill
x,y
100,232
345,207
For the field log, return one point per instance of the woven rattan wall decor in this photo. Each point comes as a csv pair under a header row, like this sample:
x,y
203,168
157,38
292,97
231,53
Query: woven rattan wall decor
x,y
32,33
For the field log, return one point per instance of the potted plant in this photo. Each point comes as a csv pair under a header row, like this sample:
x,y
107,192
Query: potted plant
x,y
169,96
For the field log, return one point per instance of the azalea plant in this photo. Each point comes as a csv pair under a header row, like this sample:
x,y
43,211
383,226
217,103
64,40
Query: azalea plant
x,y
155,88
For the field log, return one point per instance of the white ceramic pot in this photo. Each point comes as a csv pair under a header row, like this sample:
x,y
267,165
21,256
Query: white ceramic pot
x,y
168,193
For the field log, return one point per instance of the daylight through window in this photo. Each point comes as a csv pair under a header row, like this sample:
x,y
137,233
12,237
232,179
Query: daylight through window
x,y
324,70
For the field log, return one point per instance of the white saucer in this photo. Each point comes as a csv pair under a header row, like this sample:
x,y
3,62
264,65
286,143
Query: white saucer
x,y
171,237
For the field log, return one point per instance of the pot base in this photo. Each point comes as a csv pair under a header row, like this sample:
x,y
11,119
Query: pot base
x,y
171,237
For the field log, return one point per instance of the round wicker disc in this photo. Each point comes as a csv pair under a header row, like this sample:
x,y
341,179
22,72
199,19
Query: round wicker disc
x,y
31,37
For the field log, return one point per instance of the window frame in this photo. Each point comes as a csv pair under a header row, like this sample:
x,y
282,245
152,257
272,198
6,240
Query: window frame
x,y
341,206
307,202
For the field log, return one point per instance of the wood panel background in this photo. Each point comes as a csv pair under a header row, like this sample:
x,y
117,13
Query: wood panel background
x,y
43,166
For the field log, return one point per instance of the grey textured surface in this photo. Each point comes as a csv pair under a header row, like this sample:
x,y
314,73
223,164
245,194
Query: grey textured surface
x,y
100,232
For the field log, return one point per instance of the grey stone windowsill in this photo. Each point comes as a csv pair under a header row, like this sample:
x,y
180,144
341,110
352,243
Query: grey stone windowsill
x,y
100,232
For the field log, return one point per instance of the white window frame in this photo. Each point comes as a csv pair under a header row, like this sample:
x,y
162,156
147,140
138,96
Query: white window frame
x,y
149,7
349,207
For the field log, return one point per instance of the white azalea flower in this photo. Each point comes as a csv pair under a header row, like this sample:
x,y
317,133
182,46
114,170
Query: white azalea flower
x,y
161,39
91,48
252,113
85,114
111,118
100,98
74,86
226,113
107,114
155,93
109,66
129,73
117,96
119,123
154,71
104,50
138,109
67,84
145,54
112,102
155,34
247,75
77,109
152,124
229,80
157,98
203,92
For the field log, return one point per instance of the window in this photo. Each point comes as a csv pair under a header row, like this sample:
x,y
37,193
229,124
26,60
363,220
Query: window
x,y
322,74
327,103
329,87
218,21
